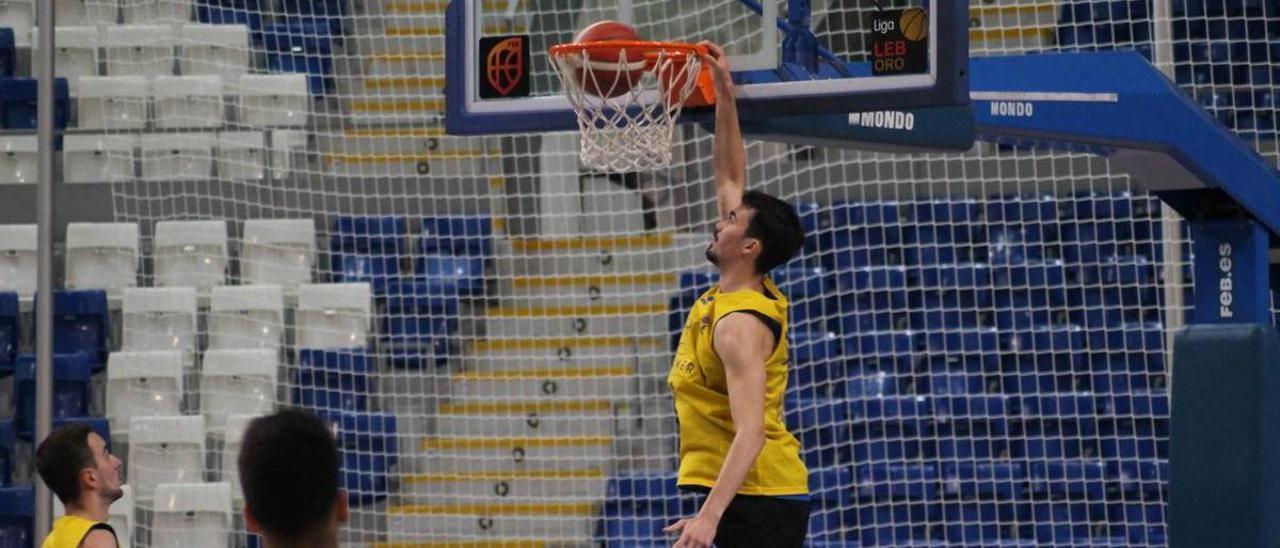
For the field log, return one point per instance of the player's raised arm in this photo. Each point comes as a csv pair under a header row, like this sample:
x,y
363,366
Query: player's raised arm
x,y
730,158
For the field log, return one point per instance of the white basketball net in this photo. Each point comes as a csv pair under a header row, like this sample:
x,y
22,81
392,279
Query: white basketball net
x,y
632,131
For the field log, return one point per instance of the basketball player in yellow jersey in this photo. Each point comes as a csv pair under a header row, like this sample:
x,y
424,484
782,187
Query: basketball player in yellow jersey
x,y
76,464
730,369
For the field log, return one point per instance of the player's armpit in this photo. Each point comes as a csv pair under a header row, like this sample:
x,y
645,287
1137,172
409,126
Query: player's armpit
x,y
99,538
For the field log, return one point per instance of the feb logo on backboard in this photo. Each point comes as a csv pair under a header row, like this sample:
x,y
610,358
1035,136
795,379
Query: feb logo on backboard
x,y
899,42
504,70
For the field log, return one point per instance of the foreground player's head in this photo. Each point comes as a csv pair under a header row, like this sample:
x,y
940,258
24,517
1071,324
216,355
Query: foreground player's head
x,y
289,473
76,464
762,233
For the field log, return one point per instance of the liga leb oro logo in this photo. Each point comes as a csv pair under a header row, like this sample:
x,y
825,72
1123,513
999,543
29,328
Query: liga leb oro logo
x,y
505,67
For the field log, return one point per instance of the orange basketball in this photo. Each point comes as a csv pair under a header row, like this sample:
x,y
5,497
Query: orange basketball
x,y
613,71
914,24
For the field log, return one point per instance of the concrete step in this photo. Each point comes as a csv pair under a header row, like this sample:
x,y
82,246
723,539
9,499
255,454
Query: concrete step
x,y
471,454
519,353
501,487
584,418
551,522
630,254
568,321
582,290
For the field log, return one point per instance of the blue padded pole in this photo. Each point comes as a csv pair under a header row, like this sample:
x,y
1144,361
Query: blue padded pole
x,y
784,26
800,47
1225,396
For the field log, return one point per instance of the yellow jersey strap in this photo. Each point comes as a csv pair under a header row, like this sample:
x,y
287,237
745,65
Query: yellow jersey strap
x,y
770,307
69,532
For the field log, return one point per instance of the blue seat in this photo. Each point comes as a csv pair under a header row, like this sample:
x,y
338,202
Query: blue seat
x,y
947,211
815,220
1140,479
807,290
871,298
988,413
972,348
984,480
1099,307
8,52
6,452
336,380
10,331
821,426
816,365
865,233
871,384
831,486
889,428
619,527
895,351
233,12
949,295
955,382
1015,244
1143,522
368,442
368,249
71,375
974,523
17,514
1020,209
459,275
1070,478
652,493
420,325
968,448
458,235
1048,348
330,12
18,100
897,501
1063,522
1132,347
82,324
1027,294
302,45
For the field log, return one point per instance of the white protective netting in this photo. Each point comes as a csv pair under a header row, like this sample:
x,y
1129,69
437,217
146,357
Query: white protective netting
x,y
978,338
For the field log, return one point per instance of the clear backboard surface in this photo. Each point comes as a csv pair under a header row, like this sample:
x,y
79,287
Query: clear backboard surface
x,y
856,56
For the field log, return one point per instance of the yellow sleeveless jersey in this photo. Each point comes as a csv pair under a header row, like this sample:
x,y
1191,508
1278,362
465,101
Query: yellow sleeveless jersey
x,y
702,398
69,531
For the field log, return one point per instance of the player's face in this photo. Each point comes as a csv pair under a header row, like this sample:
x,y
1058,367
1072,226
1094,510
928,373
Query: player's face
x,y
107,468
727,240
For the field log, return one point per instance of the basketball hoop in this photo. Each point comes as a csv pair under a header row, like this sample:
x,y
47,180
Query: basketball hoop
x,y
627,106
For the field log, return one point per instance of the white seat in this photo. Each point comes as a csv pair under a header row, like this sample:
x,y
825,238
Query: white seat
x,y
220,50
164,450
86,12
274,100
333,315
188,102
98,158
139,50
246,317
102,256
278,251
236,426
286,147
19,15
237,381
18,259
76,53
192,515
190,253
19,160
177,156
156,11
161,318
142,384
242,155
112,102
119,515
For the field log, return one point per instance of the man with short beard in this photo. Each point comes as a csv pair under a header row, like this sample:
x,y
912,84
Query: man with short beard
x,y
77,465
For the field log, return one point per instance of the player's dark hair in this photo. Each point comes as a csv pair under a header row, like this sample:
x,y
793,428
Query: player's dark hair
x,y
289,472
777,225
61,457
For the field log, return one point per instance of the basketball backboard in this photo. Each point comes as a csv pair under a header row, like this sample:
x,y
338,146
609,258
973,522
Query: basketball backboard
x,y
885,55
